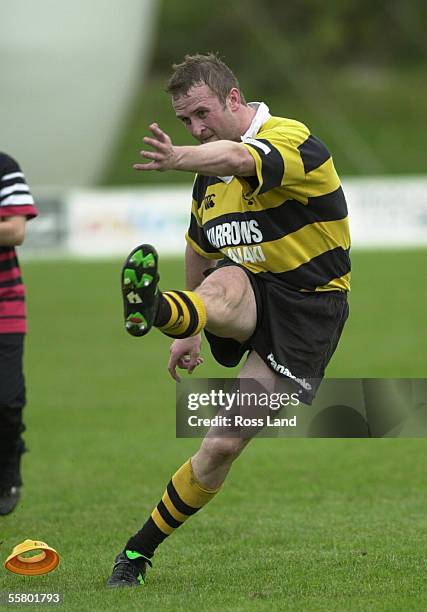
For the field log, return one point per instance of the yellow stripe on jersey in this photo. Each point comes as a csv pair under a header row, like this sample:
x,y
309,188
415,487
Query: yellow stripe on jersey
x,y
292,212
278,163
301,246
320,181
342,283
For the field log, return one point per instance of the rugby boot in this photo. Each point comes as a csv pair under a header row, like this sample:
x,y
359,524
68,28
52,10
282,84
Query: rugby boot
x,y
9,497
129,570
140,289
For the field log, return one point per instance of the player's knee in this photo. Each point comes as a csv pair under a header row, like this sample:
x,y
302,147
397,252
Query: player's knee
x,y
221,301
220,450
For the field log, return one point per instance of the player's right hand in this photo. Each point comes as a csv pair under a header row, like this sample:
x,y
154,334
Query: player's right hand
x,y
185,354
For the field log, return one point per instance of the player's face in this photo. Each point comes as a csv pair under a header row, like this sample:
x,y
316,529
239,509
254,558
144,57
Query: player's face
x,y
206,117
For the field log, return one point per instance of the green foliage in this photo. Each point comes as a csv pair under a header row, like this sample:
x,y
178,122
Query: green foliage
x,y
317,33
352,70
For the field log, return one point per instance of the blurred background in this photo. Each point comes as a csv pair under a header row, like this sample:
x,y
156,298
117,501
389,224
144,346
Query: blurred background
x,y
82,82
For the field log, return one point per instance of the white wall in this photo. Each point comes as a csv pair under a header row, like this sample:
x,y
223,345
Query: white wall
x,y
68,71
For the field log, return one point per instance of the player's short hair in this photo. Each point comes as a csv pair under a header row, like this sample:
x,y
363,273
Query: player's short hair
x,y
203,69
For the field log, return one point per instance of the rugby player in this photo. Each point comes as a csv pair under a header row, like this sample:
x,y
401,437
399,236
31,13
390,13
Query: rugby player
x,y
267,203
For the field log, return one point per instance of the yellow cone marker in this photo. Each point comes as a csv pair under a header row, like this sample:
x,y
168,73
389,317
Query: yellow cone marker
x,y
42,563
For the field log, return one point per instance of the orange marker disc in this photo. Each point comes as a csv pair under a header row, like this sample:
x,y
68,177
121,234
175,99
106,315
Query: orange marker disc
x,y
19,562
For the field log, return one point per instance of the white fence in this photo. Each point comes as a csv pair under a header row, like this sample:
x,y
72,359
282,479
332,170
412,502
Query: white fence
x,y
387,211
384,212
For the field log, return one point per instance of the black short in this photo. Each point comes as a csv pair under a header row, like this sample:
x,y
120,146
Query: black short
x,y
296,332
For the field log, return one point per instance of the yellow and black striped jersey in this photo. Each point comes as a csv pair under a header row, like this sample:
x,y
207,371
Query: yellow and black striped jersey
x,y
288,223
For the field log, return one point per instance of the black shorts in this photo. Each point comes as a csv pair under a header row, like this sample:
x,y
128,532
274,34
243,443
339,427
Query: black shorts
x,y
296,332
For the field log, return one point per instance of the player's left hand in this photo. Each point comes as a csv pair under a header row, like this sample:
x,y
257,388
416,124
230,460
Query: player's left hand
x,y
184,354
164,156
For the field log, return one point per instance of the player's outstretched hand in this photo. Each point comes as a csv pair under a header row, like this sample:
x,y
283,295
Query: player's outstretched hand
x,y
163,157
185,354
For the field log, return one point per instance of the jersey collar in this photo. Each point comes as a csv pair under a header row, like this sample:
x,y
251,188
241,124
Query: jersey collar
x,y
262,115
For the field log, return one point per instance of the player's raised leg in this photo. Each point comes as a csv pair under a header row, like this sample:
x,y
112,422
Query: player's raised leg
x,y
178,314
224,303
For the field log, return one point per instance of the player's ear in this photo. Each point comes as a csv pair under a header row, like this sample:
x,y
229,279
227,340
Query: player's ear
x,y
233,99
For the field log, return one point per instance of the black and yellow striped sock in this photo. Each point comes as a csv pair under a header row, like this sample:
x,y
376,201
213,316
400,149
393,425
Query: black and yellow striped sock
x,y
180,314
183,497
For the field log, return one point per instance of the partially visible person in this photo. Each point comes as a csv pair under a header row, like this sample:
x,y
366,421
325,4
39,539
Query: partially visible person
x,y
16,207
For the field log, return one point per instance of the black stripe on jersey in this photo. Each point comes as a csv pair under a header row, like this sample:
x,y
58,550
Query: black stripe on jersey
x,y
11,283
16,191
313,153
14,298
19,181
8,264
277,222
197,234
12,317
317,272
177,501
200,186
272,167
8,164
167,516
252,181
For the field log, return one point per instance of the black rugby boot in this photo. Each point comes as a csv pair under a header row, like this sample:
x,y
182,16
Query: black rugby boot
x,y
140,289
9,498
129,570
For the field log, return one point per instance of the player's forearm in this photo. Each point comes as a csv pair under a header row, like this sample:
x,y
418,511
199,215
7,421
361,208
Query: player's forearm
x,y
221,158
12,231
195,265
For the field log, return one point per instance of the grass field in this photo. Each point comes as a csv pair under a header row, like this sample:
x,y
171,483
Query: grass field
x,y
308,524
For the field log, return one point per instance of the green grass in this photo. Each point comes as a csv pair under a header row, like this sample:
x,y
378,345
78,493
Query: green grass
x,y
300,524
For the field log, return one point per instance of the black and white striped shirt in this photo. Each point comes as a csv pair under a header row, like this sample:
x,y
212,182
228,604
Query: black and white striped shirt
x,y
15,200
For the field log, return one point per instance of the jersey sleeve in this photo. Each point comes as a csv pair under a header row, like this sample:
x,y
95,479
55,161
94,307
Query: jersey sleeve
x,y
15,196
195,235
278,163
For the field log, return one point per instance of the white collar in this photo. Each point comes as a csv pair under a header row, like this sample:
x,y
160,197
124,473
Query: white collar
x,y
261,116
